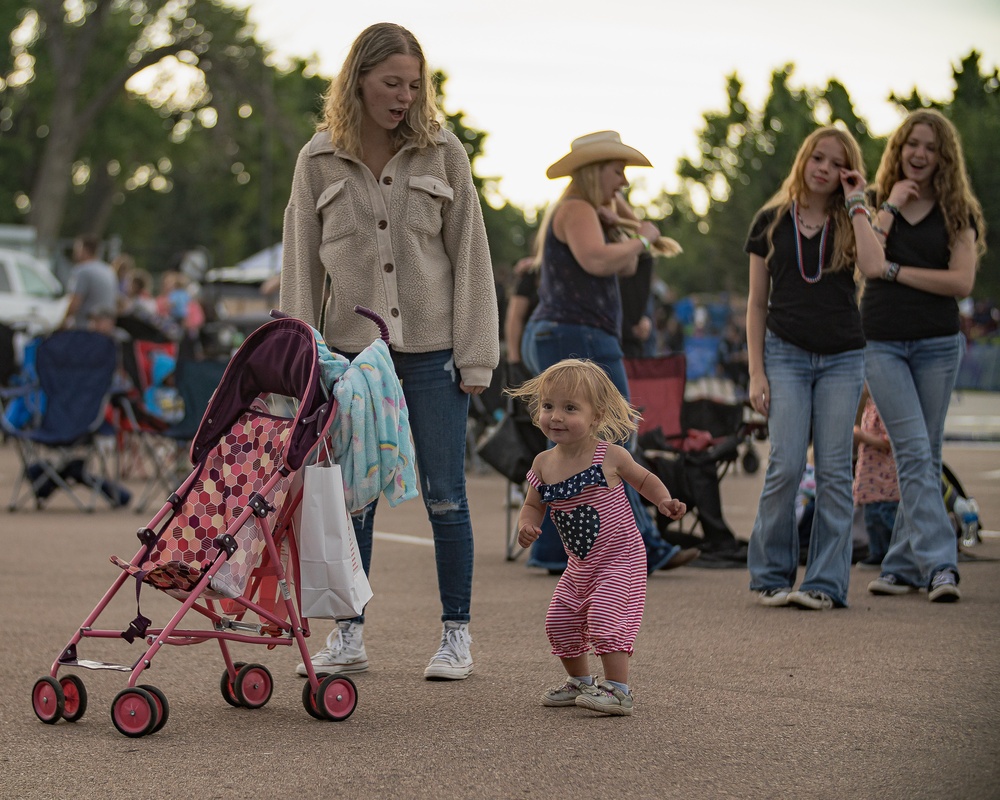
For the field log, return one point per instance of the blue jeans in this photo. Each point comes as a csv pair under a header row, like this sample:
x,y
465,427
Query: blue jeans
x,y
818,393
549,343
880,517
911,383
438,410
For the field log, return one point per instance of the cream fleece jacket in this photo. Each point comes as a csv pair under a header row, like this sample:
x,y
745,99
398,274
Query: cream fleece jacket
x,y
411,246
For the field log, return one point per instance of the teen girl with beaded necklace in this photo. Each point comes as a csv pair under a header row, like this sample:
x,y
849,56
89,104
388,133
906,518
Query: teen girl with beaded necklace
x,y
806,354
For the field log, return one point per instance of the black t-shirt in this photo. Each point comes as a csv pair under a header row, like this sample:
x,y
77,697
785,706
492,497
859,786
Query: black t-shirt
x,y
820,317
896,313
635,291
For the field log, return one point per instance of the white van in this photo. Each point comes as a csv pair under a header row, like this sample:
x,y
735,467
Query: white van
x,y
31,298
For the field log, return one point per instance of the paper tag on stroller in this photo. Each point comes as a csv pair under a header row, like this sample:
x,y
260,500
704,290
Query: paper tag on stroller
x,y
331,579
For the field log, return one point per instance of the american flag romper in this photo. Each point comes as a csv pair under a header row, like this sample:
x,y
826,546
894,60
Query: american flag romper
x,y
599,599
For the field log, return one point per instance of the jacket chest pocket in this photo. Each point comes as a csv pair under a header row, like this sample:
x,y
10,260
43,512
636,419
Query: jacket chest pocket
x,y
336,211
425,203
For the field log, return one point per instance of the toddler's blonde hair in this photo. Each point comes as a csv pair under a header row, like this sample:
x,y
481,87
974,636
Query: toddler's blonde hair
x,y
582,378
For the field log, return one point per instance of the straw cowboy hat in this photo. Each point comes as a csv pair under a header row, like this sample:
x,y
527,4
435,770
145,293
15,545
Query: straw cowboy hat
x,y
594,147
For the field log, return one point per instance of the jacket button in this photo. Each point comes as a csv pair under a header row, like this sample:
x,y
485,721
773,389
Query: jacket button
x,y
395,312
388,268
382,224
387,180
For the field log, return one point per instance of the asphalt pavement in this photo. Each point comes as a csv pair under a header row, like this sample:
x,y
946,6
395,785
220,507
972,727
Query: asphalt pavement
x,y
891,698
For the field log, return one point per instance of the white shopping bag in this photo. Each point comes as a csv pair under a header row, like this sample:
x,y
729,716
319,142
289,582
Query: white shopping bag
x,y
332,581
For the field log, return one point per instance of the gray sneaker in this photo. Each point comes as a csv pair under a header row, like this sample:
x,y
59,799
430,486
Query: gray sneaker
x,y
344,651
812,600
566,694
775,596
887,583
453,660
605,698
944,588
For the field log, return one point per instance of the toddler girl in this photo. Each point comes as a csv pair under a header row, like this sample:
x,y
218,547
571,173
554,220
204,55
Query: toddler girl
x,y
598,602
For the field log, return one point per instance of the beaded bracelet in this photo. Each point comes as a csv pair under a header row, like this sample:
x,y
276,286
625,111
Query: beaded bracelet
x,y
644,240
854,199
887,206
856,211
891,271
880,231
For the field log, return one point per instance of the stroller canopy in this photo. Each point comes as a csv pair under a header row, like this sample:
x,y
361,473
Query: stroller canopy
x,y
280,358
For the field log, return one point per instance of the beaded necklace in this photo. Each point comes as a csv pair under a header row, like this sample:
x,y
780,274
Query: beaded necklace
x,y
798,246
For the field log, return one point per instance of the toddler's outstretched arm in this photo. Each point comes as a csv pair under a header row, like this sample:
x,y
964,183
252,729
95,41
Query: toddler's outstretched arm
x,y
646,484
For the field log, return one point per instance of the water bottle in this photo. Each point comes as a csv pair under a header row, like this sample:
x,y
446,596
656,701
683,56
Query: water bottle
x,y
967,515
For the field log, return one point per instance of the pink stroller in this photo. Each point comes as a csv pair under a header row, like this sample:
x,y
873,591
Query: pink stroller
x,y
224,543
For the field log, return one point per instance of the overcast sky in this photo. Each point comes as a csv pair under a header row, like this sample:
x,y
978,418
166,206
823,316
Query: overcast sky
x,y
535,75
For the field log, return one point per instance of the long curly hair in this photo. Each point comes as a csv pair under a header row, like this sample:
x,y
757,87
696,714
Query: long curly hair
x,y
793,189
342,104
950,180
583,378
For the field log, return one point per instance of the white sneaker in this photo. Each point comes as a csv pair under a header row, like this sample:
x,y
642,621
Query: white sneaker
x,y
775,596
344,651
453,660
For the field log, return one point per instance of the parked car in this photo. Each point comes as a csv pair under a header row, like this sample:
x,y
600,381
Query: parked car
x,y
31,298
235,305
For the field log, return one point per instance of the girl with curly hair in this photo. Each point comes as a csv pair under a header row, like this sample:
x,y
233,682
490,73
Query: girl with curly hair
x,y
931,231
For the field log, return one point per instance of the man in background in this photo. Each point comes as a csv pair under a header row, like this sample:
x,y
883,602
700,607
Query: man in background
x,y
93,285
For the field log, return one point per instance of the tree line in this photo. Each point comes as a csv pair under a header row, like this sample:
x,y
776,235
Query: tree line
x,y
168,123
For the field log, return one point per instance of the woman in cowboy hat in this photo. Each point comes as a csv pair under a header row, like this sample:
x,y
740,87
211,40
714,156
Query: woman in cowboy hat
x,y
584,244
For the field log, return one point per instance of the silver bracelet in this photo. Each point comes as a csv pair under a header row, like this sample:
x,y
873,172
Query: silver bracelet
x,y
891,271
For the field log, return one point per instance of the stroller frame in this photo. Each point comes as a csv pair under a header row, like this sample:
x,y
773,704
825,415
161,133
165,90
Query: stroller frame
x,y
139,709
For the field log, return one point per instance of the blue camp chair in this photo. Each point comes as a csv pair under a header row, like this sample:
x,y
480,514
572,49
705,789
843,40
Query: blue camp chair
x,y
59,447
196,381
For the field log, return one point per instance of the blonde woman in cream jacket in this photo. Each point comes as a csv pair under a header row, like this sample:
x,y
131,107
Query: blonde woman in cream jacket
x,y
383,213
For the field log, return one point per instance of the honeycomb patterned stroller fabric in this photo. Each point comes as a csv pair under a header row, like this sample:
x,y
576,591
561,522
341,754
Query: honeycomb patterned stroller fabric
x,y
245,459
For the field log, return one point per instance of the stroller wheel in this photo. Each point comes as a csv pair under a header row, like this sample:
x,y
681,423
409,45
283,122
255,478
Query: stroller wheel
x,y
75,694
226,685
751,462
47,700
309,699
253,685
337,697
162,707
134,712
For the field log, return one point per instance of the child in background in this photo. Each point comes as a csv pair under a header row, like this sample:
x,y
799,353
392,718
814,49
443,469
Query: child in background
x,y
876,489
598,602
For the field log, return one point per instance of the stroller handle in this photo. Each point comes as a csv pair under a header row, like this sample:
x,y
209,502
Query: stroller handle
x,y
382,327
364,312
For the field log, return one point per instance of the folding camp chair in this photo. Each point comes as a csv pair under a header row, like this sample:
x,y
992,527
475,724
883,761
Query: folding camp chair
x,y
59,446
690,462
196,382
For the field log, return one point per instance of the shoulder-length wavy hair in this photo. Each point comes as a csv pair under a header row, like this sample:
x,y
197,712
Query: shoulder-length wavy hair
x,y
950,181
793,189
342,104
583,379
